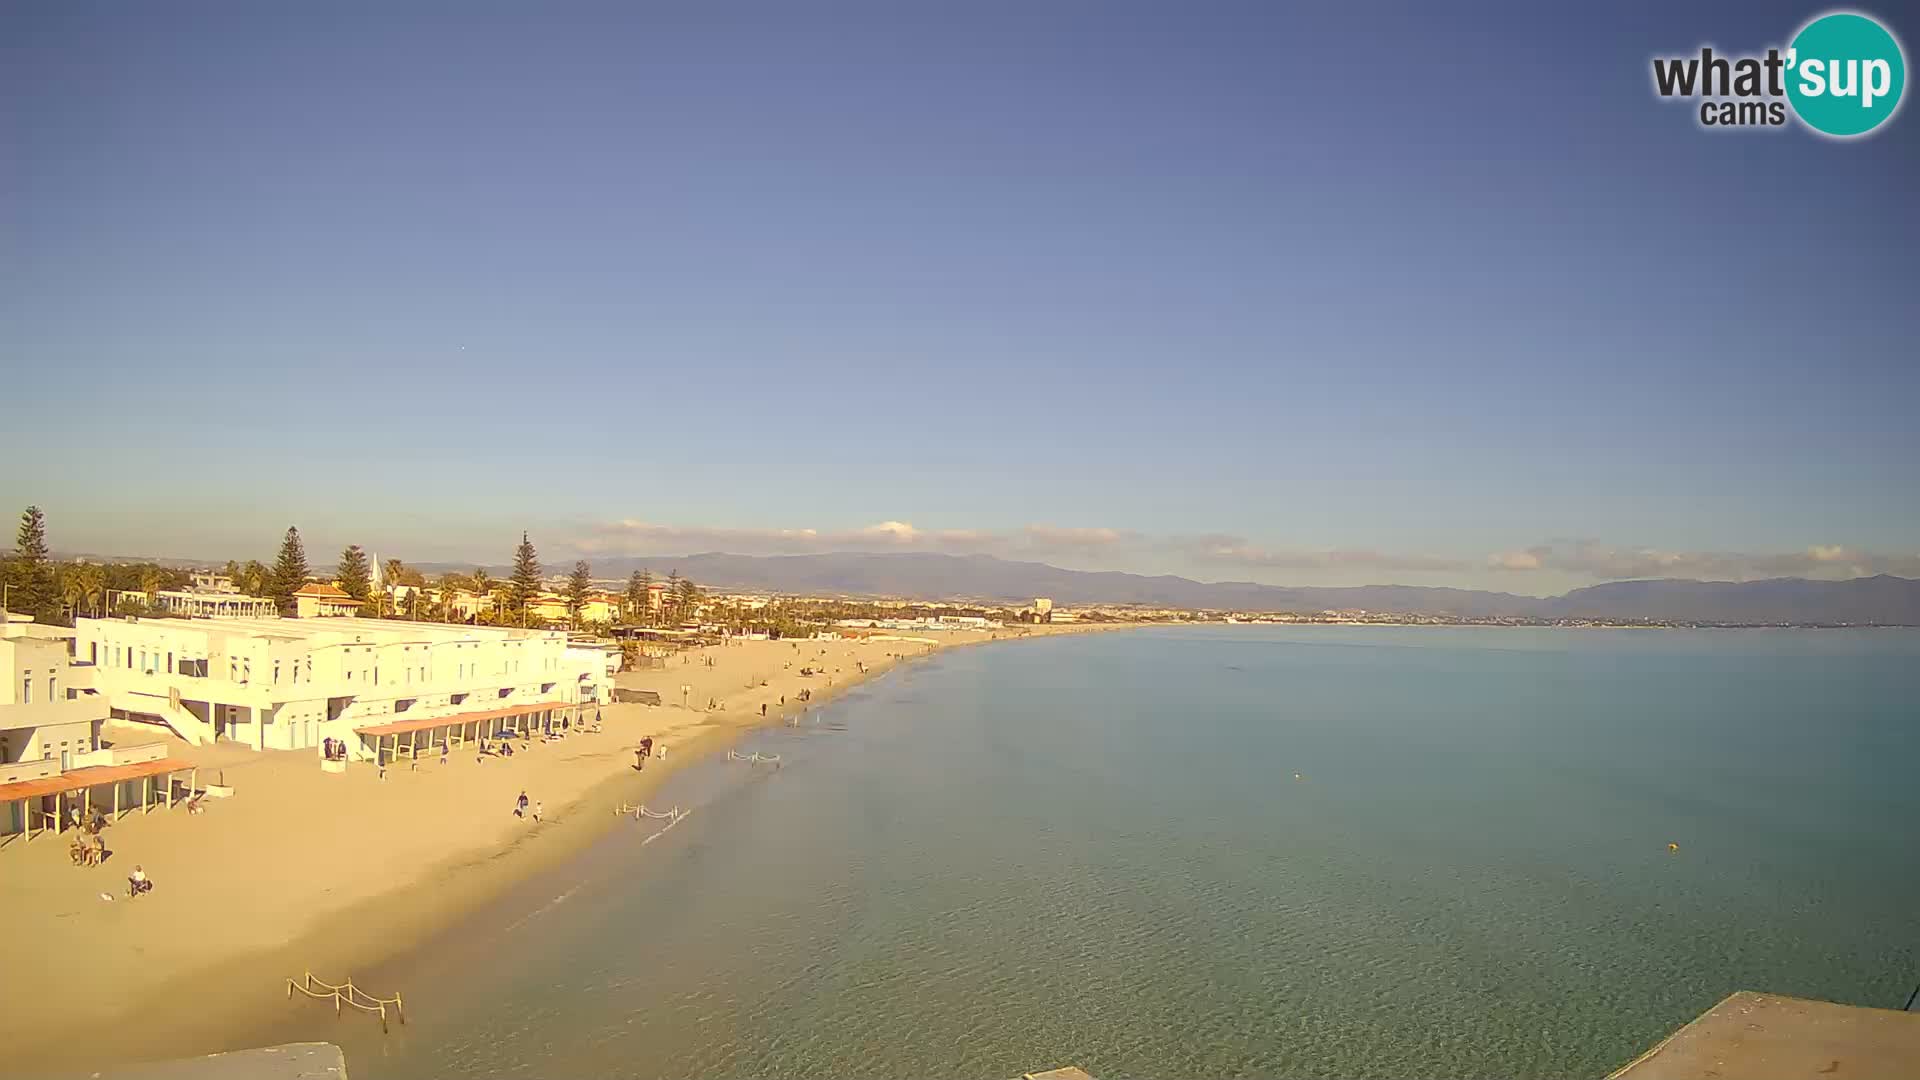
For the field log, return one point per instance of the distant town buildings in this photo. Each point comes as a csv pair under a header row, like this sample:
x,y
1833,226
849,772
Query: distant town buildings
x,y
316,600
208,604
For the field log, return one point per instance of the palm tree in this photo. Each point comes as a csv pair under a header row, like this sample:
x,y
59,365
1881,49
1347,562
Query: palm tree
x,y
150,581
253,578
73,587
391,571
96,579
414,600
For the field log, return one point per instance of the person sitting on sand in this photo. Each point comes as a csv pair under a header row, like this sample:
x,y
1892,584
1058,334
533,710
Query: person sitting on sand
x,y
137,882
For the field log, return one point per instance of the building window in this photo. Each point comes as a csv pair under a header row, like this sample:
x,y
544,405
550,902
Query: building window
x,y
276,673
26,690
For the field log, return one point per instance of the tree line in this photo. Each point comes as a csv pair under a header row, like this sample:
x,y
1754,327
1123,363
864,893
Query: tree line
x,y
58,592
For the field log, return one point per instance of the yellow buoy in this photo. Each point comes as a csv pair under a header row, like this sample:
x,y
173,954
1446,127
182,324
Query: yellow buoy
x,y
1673,847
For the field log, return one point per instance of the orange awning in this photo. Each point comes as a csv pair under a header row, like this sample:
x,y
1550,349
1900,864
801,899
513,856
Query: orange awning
x,y
89,777
401,727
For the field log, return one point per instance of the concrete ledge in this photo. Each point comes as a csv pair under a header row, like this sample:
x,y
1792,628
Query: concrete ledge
x,y
291,1061
1766,1035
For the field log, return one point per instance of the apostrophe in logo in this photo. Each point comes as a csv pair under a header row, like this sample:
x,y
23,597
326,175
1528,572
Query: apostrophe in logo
x,y
1845,74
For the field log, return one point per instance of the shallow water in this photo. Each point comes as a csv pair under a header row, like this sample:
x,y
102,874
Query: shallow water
x,y
1096,850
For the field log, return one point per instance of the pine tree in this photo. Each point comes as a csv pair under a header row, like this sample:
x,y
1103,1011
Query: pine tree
x,y
645,612
29,572
579,584
526,577
636,596
688,600
356,577
289,571
670,603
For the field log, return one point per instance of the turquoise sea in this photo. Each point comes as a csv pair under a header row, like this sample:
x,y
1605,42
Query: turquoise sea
x,y
1228,851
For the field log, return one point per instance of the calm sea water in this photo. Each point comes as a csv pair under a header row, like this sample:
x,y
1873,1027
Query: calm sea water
x,y
1095,850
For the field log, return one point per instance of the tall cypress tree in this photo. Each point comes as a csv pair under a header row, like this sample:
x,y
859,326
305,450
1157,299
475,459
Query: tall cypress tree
x,y
29,571
526,576
670,600
289,571
356,577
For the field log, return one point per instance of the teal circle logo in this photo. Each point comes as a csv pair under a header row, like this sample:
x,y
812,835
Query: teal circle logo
x,y
1845,74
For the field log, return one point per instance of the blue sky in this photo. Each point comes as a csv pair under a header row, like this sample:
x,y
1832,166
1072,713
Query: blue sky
x,y
1301,296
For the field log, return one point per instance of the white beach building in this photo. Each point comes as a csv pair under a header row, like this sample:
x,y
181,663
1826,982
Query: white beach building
x,y
289,684
54,768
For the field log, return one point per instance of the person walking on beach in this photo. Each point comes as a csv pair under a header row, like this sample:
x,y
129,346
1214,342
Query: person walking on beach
x,y
537,807
520,808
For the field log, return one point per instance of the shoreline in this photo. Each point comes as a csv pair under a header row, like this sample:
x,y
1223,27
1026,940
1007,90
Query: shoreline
x,y
200,1000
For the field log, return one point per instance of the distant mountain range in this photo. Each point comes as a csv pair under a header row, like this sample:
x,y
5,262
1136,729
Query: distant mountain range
x,y
1884,599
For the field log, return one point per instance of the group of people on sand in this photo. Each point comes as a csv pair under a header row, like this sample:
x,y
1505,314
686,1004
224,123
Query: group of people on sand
x,y
85,852
523,809
93,852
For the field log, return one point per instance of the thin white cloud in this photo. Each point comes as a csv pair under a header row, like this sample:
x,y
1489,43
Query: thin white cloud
x,y
1224,549
1060,537
636,537
1606,562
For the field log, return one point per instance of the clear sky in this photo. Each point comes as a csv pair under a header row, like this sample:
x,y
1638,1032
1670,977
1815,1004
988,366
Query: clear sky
x,y
1359,294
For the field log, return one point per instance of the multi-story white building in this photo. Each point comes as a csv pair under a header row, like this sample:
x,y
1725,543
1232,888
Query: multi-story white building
x,y
49,715
55,771
286,684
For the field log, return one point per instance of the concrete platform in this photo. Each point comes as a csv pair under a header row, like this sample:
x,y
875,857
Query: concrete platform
x,y
1766,1035
291,1061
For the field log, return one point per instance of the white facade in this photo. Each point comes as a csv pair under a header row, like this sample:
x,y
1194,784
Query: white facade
x,y
285,684
49,716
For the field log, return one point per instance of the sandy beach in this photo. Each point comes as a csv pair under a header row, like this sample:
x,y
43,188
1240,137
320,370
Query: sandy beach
x,y
304,869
